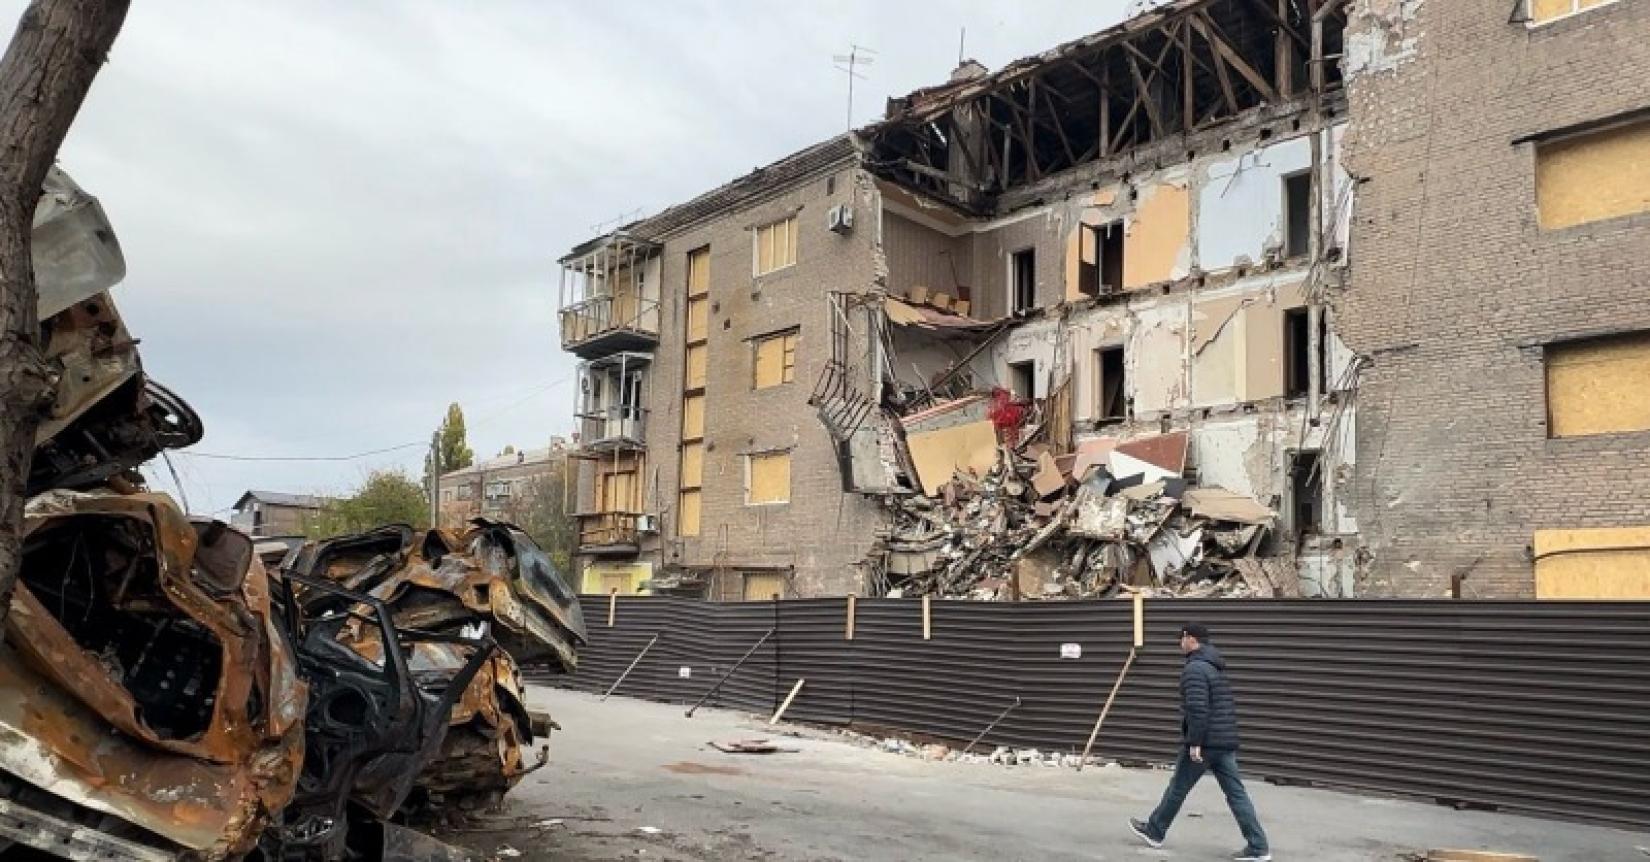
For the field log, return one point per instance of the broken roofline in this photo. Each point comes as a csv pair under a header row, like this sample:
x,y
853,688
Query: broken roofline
x,y
760,184
1189,67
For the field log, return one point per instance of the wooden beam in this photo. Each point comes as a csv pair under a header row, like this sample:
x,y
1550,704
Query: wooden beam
x,y
1284,50
1030,123
1086,73
1143,96
1188,96
1059,129
1105,115
1225,81
1211,33
1278,19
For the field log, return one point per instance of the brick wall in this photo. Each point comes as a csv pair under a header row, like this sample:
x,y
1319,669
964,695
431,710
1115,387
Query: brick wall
x,y
1454,286
822,532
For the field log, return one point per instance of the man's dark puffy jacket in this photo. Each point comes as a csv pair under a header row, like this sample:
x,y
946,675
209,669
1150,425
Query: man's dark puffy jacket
x,y
1208,714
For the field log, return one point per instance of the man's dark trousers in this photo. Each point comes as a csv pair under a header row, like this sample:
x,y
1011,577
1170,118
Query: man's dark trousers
x,y
1224,765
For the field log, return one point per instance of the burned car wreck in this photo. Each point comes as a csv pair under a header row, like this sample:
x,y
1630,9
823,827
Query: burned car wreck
x,y
165,695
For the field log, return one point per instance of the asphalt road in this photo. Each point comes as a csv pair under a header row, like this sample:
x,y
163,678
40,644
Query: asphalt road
x,y
636,780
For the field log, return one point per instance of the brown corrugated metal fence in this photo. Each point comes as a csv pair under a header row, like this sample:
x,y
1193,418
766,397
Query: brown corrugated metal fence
x,y
1541,707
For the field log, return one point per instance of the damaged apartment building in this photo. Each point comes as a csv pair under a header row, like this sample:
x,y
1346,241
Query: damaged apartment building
x,y
1501,293
1096,274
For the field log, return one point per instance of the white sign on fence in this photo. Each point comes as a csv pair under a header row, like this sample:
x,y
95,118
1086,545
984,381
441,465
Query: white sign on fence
x,y
1071,650
684,672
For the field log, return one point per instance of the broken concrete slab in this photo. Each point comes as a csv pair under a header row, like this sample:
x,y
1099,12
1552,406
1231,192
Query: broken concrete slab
x,y
1219,504
938,455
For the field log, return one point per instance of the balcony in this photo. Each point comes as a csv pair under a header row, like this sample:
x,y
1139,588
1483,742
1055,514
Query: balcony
x,y
613,429
610,296
602,325
609,533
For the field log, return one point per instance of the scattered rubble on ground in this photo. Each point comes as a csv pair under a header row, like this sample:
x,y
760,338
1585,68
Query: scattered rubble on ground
x,y
998,756
999,520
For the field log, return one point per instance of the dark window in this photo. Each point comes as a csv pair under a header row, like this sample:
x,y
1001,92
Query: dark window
x,y
1297,352
1306,492
1022,380
1111,257
1297,213
1024,281
1100,259
1110,399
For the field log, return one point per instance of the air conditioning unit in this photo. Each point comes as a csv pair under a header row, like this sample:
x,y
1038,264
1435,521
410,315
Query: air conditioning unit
x,y
647,523
840,218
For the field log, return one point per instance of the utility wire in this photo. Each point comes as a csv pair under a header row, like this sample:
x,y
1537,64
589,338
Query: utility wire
x,y
221,456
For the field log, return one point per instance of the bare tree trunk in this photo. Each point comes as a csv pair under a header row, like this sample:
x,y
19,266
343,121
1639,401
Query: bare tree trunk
x,y
53,57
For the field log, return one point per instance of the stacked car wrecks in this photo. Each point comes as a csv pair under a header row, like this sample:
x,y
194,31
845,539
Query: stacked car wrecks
x,y
164,695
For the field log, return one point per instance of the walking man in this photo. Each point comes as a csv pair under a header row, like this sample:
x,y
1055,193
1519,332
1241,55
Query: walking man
x,y
1209,741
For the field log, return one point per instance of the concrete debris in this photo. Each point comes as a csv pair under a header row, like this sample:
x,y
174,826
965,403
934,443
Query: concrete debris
x,y
1111,517
749,746
1000,756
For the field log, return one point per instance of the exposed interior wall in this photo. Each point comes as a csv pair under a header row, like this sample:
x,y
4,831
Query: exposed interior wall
x,y
1240,204
920,256
1158,235
1033,342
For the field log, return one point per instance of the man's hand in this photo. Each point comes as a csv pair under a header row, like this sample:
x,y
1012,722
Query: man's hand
x,y
1197,754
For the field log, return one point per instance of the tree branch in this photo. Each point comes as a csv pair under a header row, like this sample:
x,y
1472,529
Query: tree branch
x,y
44,77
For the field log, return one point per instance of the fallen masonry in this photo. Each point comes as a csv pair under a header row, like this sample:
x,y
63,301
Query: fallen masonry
x,y
1108,517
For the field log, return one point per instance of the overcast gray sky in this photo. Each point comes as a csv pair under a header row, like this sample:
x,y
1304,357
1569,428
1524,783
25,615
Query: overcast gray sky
x,y
338,217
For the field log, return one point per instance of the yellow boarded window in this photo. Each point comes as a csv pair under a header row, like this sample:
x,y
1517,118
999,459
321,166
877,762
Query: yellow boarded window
x,y
762,586
768,479
1547,10
775,359
1598,386
697,359
693,464
1594,176
617,493
693,417
687,518
1597,563
699,271
698,318
776,245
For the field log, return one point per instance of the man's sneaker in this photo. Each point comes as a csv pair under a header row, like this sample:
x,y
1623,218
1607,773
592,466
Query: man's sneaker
x,y
1144,830
1251,856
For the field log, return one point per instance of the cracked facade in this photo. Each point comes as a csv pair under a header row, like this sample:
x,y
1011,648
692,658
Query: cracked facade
x,y
1154,228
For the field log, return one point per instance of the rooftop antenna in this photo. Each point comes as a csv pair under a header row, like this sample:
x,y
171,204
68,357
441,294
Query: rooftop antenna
x,y
962,42
855,58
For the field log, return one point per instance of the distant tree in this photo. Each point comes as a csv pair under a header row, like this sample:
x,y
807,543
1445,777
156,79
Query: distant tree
x,y
48,67
450,444
386,497
508,450
540,510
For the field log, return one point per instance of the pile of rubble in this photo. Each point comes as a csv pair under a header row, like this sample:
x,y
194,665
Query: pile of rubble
x,y
1108,517
997,756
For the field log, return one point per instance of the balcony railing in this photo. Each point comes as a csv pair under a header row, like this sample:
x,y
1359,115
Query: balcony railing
x,y
609,531
613,428
622,322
